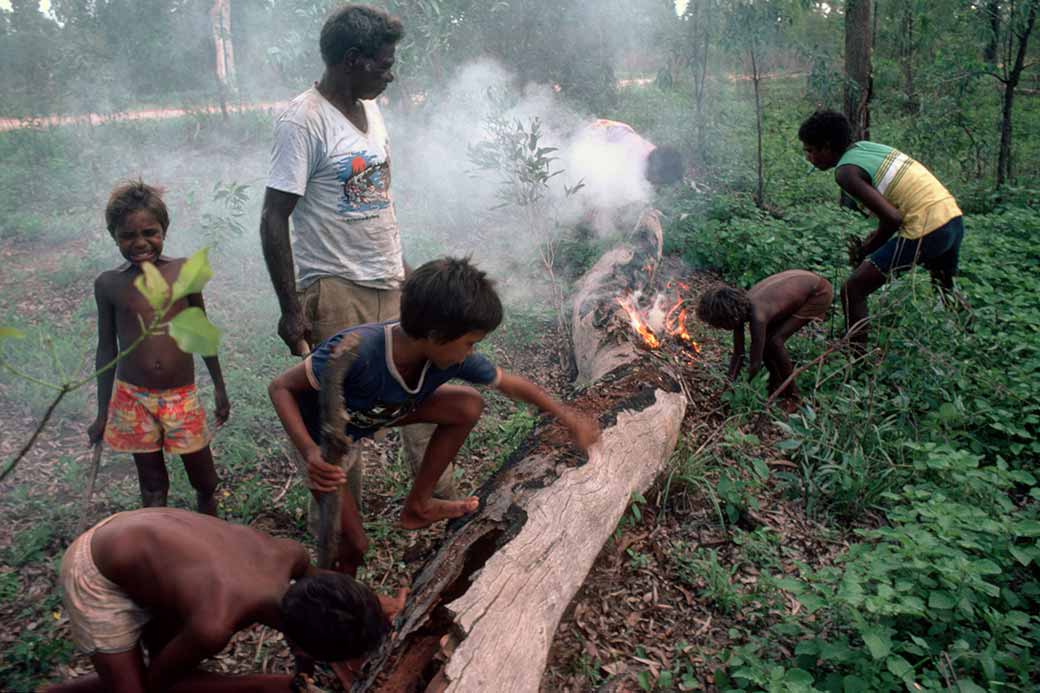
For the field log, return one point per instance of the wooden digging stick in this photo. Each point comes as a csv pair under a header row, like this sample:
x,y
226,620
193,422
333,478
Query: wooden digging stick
x,y
336,447
95,463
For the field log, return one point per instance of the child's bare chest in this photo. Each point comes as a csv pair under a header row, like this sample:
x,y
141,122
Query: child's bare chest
x,y
132,306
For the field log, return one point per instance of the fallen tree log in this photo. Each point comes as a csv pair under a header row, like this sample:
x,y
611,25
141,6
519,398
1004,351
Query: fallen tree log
x,y
482,612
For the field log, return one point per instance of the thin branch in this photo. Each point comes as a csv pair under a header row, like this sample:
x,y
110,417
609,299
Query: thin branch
x,y
43,422
95,463
25,376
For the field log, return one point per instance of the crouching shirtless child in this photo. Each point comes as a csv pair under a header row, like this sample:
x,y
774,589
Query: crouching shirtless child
x,y
776,308
181,584
398,375
155,406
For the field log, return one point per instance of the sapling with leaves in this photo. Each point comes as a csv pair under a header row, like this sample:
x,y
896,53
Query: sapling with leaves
x,y
515,150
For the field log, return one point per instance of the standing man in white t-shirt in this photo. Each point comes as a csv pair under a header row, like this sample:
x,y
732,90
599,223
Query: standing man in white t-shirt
x,y
330,172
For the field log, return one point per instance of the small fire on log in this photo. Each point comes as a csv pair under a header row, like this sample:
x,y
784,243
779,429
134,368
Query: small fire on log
x,y
672,324
638,322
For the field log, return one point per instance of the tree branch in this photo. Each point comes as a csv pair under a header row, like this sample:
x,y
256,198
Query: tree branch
x,y
43,422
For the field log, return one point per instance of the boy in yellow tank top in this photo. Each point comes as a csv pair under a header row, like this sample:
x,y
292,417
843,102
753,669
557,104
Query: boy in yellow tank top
x,y
919,221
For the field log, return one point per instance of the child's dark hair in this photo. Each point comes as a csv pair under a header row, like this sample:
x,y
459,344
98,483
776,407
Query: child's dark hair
x,y
826,129
363,28
664,166
333,617
447,298
724,306
130,197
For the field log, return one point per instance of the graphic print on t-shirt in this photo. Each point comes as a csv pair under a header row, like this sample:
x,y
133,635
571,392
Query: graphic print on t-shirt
x,y
382,414
366,183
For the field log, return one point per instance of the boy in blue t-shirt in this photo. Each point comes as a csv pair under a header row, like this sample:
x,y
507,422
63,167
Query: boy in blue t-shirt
x,y
398,375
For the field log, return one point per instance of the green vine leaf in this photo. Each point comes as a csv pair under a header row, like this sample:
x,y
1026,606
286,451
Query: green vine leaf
x,y
193,275
152,286
194,333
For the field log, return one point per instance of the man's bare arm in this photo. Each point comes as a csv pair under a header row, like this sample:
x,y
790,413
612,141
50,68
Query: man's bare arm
x,y
274,237
853,180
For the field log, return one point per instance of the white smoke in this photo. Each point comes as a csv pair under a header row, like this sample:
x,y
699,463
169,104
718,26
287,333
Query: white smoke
x,y
440,192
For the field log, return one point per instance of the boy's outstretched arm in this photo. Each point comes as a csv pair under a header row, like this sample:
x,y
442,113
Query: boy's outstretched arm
x,y
283,391
758,344
106,351
854,181
584,430
737,359
223,404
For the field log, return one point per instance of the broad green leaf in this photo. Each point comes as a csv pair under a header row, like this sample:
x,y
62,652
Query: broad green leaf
x,y
938,599
968,686
761,468
10,333
854,684
194,274
1028,528
899,666
798,677
152,286
194,333
811,602
1023,554
878,642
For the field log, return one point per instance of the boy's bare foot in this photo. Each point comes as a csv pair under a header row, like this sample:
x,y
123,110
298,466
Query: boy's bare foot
x,y
417,517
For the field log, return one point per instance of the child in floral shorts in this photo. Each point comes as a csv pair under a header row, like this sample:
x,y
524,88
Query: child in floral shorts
x,y
155,407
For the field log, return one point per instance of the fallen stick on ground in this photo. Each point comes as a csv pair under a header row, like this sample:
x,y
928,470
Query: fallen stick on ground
x,y
88,497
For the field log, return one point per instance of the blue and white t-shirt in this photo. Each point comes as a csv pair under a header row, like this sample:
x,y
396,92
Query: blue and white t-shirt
x,y
344,224
376,395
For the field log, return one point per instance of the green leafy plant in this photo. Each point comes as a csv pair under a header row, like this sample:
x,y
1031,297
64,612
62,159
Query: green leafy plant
x,y
226,224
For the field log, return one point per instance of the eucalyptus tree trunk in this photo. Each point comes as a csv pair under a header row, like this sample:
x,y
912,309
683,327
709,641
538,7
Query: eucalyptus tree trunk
x,y
858,81
220,23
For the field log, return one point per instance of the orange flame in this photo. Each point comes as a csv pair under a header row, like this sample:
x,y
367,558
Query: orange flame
x,y
638,322
675,325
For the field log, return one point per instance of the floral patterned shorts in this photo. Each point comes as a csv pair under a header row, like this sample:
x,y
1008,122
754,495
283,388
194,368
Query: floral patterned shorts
x,y
145,420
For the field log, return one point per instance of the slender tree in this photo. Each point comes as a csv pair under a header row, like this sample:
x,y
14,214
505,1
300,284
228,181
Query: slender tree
x,y
1019,27
858,79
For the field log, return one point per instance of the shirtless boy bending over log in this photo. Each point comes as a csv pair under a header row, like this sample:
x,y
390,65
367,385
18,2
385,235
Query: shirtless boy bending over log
x,y
776,307
182,584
